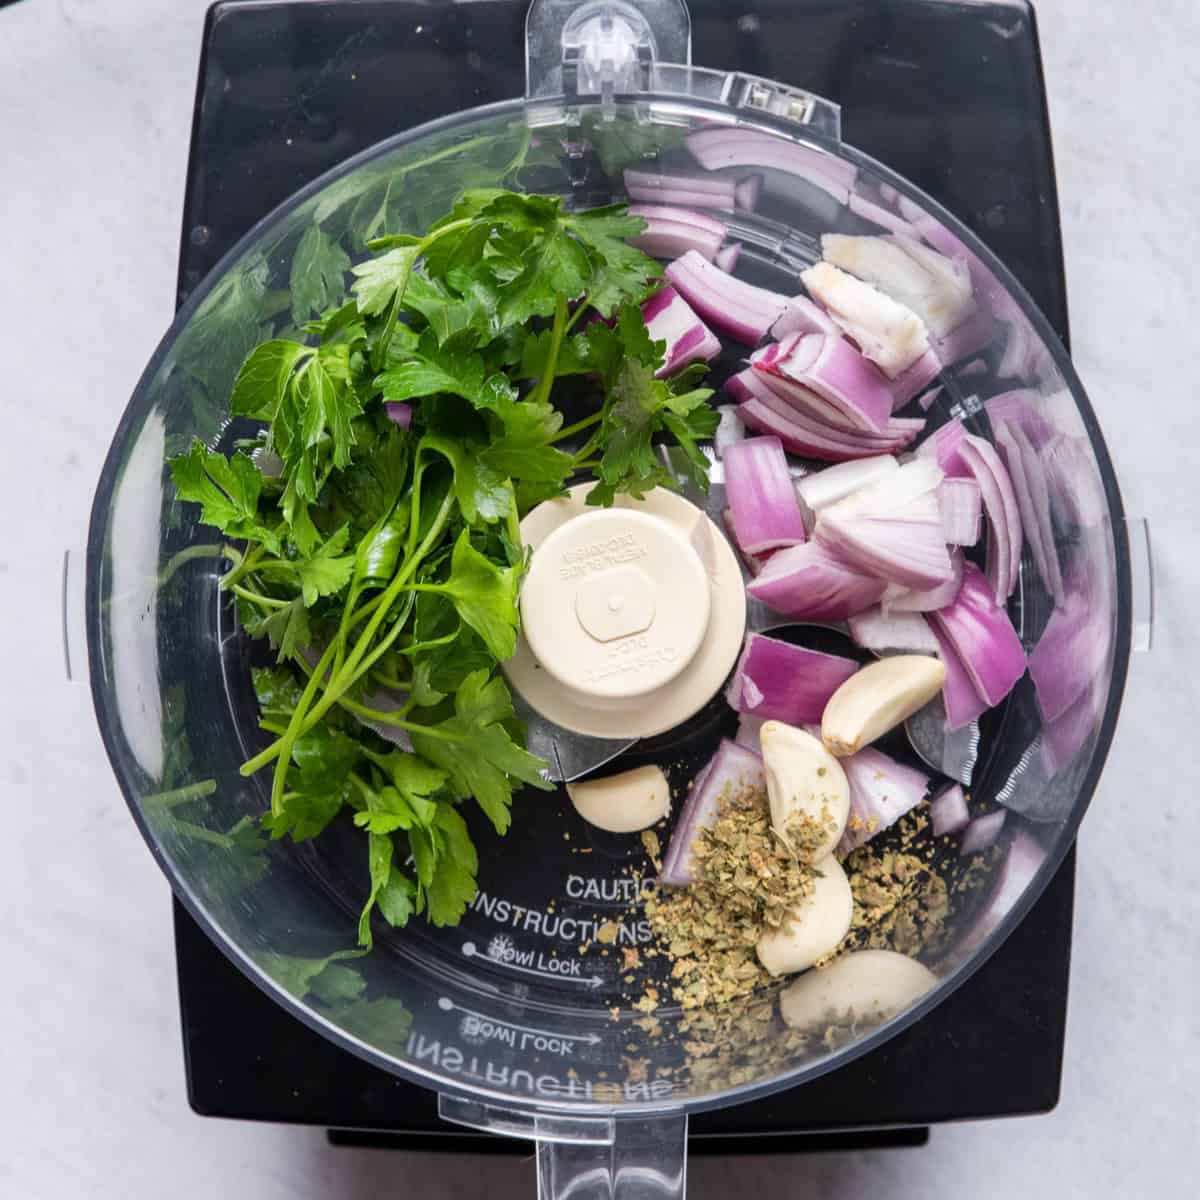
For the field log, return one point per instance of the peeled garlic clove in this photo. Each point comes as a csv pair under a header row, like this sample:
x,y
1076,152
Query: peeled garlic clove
x,y
804,781
878,698
866,988
815,926
623,803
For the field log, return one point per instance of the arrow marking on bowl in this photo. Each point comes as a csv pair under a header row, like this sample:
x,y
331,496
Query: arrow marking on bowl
x,y
470,950
448,1005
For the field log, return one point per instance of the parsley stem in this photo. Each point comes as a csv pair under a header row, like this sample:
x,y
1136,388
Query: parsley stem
x,y
557,332
258,598
578,427
180,795
580,309
244,566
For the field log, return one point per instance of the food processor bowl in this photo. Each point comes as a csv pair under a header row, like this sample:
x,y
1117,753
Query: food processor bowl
x,y
539,1016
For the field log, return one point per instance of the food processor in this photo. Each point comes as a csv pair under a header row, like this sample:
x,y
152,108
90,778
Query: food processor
x,y
516,1026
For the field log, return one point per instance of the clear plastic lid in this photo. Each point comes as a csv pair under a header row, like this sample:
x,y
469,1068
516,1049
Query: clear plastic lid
x,y
542,1012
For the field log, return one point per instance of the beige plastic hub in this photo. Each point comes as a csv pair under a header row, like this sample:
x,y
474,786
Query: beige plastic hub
x,y
632,616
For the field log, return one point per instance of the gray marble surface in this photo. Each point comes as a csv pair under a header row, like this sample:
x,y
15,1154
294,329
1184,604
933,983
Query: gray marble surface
x,y
95,105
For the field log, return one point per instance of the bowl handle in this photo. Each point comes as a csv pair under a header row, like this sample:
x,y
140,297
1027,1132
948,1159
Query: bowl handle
x,y
1142,569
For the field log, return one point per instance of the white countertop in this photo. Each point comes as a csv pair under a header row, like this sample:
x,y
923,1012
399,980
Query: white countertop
x,y
95,111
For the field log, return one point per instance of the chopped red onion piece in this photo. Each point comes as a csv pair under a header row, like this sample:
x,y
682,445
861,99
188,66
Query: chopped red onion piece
x,y
860,206
650,213
807,583
973,336
943,447
669,318
1018,408
781,682
1073,481
748,191
1010,453
915,380
732,767
981,833
800,439
936,288
1063,738
948,811
804,316
872,629
983,638
670,239
705,191
823,488
728,256
978,367
745,312
928,400
890,335
962,702
961,504
1000,506
724,146
805,425
881,792
1070,654
901,600
836,372
762,498
748,731
754,562
1043,521
401,413
893,529
729,432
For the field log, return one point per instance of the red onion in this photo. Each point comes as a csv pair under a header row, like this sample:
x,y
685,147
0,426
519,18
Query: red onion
x,y
664,238
901,600
881,792
769,405
762,498
745,312
732,767
948,811
943,447
728,256
669,318
781,682
748,191
872,629
1010,453
962,702
915,379
754,562
983,638
860,206
1071,652
973,336
961,504
1018,408
936,288
889,334
836,372
725,146
703,191
1016,873
804,316
1004,518
893,529
679,215
401,413
981,833
807,583
748,730
1062,739
823,488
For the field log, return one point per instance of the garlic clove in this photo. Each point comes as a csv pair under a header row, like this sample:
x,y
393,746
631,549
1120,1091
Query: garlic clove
x,y
878,698
865,988
807,790
817,924
623,803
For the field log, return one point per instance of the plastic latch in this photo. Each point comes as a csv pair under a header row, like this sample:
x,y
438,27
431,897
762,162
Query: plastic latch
x,y
754,94
602,47
1142,570
74,625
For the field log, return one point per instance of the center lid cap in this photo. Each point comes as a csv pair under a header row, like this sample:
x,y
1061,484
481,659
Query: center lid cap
x,y
616,603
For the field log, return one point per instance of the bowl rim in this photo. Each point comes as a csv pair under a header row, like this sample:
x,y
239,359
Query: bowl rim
x,y
139,407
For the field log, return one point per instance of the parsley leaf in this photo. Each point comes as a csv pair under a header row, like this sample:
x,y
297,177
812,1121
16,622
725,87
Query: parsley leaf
x,y
326,571
483,493
477,750
484,595
378,280
449,368
264,376
318,273
227,490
